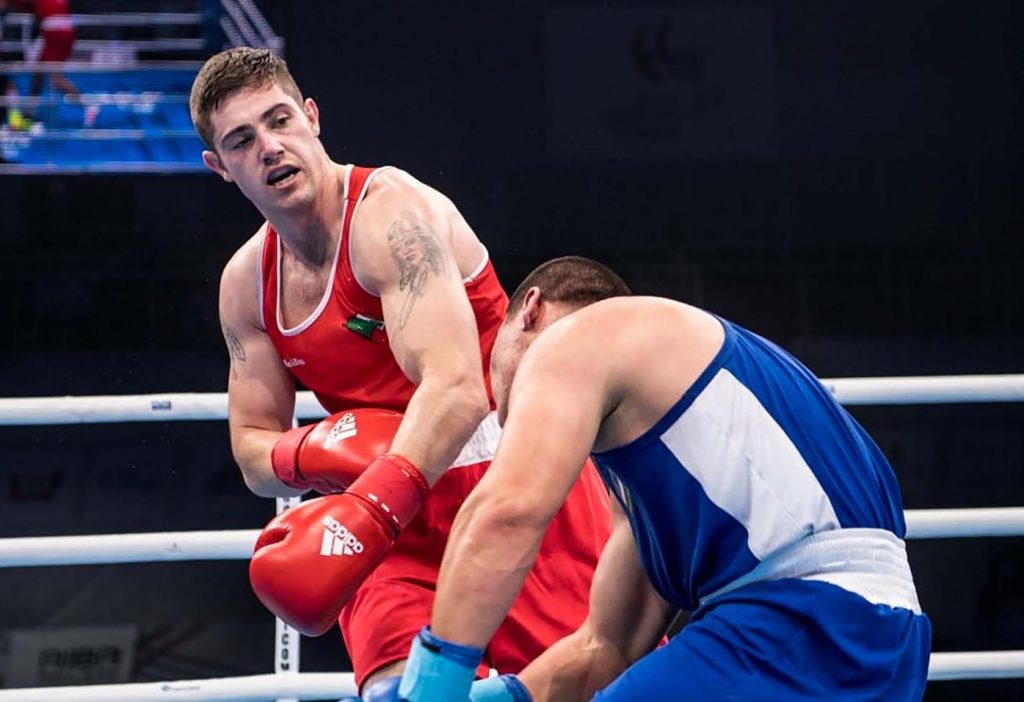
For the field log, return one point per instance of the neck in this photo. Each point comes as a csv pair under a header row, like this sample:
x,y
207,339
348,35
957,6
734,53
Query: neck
x,y
310,233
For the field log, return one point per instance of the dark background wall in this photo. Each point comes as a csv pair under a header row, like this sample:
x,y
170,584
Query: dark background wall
x,y
841,177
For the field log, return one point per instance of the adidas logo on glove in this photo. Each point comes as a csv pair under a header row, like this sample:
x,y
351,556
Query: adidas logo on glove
x,y
338,540
344,428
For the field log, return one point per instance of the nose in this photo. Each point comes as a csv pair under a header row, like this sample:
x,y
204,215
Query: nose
x,y
270,147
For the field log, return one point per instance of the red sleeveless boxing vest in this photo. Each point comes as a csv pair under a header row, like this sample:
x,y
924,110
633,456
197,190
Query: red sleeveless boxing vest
x,y
341,350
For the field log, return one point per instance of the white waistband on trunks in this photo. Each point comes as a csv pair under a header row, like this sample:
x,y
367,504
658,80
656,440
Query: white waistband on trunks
x,y
482,445
871,563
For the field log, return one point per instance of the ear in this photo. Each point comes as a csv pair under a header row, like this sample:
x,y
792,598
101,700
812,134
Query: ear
x,y
312,114
213,162
530,311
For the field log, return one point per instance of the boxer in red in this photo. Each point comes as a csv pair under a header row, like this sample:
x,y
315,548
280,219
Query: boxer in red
x,y
370,289
58,37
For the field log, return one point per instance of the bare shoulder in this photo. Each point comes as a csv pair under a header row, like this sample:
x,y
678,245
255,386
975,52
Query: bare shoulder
x,y
393,195
633,319
399,219
644,351
392,188
626,337
240,268
239,282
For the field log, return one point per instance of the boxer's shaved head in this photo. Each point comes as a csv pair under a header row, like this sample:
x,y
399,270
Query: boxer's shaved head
x,y
553,289
571,280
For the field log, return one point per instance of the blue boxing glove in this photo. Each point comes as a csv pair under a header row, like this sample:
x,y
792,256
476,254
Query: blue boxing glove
x,y
384,690
503,688
438,670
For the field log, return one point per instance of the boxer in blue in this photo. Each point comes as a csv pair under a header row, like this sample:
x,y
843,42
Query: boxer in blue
x,y
748,496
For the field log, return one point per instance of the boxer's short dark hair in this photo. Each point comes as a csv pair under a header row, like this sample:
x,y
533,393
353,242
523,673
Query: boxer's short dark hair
x,y
231,72
571,280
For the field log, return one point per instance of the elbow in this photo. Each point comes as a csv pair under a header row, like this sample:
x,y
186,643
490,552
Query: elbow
x,y
259,480
468,394
510,516
507,540
262,485
256,486
251,477
478,404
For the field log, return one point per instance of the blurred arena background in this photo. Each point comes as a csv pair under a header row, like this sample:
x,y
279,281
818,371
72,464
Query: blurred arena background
x,y
844,178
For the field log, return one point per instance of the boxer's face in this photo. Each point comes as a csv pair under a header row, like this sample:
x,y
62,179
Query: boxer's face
x,y
517,332
509,346
268,145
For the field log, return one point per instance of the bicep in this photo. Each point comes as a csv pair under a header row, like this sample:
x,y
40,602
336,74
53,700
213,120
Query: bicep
x,y
626,611
427,313
261,392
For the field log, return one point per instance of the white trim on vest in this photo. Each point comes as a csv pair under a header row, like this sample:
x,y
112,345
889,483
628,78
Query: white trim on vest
x,y
749,467
328,289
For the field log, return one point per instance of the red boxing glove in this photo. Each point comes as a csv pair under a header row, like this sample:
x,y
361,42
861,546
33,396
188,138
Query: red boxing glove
x,y
311,559
330,455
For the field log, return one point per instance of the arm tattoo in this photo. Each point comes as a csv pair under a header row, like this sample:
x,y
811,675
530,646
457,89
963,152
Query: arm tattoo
x,y
235,347
417,251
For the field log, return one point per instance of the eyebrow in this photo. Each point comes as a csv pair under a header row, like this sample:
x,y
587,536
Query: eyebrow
x,y
242,127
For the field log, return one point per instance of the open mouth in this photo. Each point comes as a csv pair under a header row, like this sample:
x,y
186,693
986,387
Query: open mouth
x,y
279,176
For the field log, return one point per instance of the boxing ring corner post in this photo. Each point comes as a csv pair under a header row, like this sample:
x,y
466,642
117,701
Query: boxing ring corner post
x,y
286,639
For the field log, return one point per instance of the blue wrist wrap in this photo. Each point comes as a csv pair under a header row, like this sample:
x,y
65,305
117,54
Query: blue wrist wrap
x,y
438,670
504,688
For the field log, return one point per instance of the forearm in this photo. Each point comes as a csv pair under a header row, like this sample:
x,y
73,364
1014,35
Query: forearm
x,y
441,416
251,447
625,621
575,668
489,553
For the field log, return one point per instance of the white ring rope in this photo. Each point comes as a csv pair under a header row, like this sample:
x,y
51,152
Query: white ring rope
x,y
975,665
167,407
237,544
128,548
939,389
961,523
253,688
314,686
